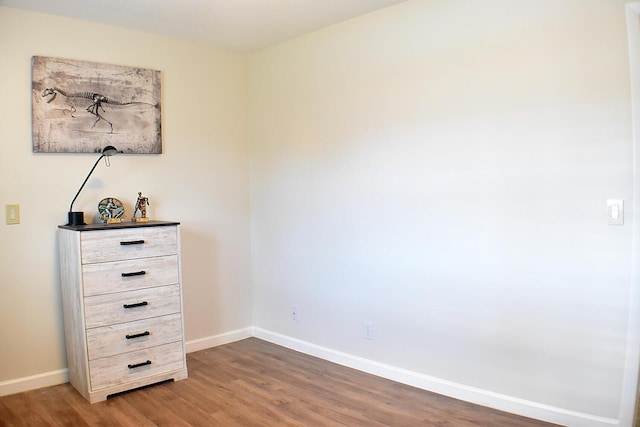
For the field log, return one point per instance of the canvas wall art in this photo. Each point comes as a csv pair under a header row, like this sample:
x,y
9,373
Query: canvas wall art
x,y
81,107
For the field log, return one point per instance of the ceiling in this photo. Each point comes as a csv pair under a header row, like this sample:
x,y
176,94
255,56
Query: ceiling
x,y
240,25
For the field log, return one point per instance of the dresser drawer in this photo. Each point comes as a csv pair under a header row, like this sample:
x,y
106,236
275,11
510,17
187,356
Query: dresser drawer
x,y
132,336
126,244
119,276
109,309
123,368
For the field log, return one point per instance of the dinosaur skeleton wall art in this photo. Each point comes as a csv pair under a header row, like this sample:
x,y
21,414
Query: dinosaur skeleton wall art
x,y
81,107
95,106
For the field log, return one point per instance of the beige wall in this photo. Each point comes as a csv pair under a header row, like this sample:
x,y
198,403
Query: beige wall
x,y
441,168
201,180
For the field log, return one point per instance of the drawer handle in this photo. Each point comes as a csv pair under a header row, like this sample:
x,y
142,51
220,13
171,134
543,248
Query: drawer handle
x,y
138,304
141,334
137,365
132,242
135,273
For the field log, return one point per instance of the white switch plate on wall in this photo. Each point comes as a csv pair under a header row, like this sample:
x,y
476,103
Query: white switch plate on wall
x,y
615,212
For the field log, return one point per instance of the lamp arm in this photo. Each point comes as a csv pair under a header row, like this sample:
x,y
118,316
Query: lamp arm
x,y
85,181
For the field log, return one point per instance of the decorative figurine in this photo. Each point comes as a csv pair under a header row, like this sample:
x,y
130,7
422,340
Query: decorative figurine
x,y
141,205
111,210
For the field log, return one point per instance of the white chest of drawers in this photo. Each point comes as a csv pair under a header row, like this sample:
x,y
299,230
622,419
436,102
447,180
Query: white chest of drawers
x,y
122,301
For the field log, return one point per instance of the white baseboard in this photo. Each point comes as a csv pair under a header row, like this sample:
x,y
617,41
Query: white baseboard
x,y
437,385
32,382
216,340
463,392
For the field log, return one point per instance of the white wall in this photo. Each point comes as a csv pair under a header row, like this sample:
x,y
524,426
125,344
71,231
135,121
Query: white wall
x,y
201,180
441,169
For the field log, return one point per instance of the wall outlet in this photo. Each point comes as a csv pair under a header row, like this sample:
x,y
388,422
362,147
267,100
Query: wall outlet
x,y
368,331
294,313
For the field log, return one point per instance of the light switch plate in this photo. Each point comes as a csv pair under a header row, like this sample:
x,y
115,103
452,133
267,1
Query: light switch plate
x,y
13,214
615,212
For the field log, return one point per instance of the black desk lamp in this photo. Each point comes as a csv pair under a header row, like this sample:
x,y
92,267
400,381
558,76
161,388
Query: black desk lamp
x,y
77,218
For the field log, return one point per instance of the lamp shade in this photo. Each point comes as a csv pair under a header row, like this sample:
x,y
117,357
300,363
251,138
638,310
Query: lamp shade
x,y
77,217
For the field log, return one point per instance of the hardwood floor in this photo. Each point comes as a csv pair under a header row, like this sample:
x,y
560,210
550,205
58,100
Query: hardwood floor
x,y
256,383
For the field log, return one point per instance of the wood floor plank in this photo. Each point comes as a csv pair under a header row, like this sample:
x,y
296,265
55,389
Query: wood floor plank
x,y
255,383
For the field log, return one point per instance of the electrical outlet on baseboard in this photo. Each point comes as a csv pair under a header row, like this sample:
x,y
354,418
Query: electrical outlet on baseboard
x,y
368,331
